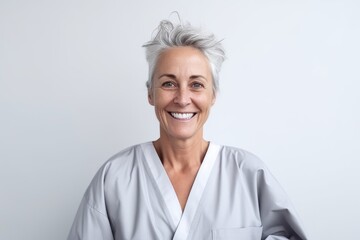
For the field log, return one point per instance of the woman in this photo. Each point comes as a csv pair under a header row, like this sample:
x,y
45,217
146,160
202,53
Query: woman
x,y
182,186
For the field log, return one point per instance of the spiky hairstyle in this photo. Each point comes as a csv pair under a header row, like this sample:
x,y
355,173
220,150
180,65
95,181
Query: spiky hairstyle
x,y
170,35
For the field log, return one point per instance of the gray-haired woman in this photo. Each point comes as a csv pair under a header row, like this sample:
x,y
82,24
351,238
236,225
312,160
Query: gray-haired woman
x,y
182,186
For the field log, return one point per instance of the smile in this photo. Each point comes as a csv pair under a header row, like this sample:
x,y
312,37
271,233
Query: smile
x,y
182,116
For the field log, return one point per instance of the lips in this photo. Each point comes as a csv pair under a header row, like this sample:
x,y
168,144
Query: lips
x,y
182,116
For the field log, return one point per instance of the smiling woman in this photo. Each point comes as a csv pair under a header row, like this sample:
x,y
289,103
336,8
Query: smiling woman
x,y
182,94
182,186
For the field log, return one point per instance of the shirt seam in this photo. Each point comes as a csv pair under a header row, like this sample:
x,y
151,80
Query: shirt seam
x,y
96,210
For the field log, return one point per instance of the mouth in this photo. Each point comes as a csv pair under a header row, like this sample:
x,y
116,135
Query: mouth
x,y
182,116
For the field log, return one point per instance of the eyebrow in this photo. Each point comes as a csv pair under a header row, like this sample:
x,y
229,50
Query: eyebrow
x,y
172,76
198,76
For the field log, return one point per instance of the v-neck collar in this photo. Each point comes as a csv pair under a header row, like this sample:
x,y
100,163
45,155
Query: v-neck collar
x,y
181,219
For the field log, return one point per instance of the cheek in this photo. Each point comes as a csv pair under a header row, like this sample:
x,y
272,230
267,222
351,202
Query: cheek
x,y
159,104
207,101
162,99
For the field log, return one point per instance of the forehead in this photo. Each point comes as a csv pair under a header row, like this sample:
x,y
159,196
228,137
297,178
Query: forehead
x,y
180,59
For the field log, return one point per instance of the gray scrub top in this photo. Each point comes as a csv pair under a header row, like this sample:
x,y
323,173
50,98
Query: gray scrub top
x,y
234,196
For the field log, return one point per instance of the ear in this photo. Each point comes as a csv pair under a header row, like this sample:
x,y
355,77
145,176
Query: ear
x,y
213,99
150,97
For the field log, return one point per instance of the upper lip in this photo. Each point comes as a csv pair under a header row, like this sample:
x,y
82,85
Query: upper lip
x,y
191,114
180,112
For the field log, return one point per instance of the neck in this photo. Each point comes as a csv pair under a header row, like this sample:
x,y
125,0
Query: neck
x,y
181,154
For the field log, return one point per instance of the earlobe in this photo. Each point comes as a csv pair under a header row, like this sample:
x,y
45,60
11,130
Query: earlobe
x,y
213,100
150,99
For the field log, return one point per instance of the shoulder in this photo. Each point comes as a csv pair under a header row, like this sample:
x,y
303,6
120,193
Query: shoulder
x,y
126,153
119,167
243,159
247,166
240,156
123,161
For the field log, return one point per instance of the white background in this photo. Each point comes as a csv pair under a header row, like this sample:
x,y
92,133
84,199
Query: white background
x,y
72,93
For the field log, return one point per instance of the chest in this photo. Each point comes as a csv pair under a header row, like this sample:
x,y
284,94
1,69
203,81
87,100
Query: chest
x,y
173,206
182,183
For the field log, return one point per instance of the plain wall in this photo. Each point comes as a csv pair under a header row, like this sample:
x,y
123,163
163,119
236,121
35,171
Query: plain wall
x,y
72,94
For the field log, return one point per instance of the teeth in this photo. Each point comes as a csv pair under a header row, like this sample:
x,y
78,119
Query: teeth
x,y
182,115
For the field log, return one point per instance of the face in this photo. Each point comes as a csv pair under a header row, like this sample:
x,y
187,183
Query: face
x,y
182,92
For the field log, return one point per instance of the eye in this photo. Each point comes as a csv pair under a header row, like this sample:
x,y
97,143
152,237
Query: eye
x,y
197,85
168,84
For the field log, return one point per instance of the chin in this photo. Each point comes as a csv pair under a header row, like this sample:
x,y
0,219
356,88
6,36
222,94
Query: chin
x,y
180,132
184,135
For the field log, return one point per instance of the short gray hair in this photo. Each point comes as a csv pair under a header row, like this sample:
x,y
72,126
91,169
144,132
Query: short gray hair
x,y
169,35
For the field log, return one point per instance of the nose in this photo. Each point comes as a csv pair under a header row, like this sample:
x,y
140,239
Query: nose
x,y
182,97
